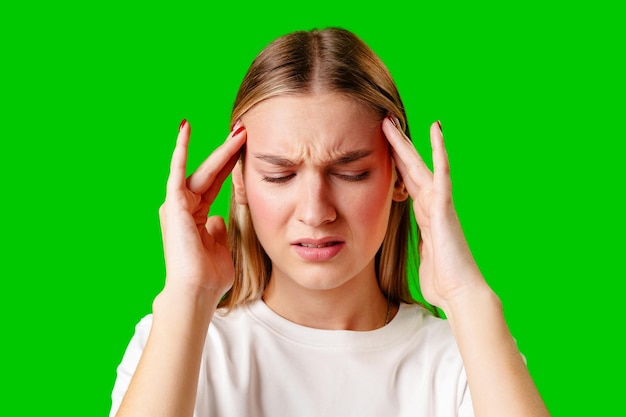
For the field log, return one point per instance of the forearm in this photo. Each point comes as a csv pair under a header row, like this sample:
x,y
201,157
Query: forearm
x,y
166,379
499,381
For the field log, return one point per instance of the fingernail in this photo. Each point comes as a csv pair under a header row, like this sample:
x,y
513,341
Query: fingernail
x,y
440,128
182,124
238,131
393,122
236,125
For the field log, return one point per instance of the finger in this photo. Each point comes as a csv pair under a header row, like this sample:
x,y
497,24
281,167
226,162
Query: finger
x,y
178,164
210,194
216,227
214,232
413,170
206,174
441,164
398,140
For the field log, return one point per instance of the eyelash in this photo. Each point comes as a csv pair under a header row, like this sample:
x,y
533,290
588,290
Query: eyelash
x,y
354,178
351,178
277,180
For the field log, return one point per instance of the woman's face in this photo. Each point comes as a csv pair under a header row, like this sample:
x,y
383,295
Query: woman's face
x,y
319,182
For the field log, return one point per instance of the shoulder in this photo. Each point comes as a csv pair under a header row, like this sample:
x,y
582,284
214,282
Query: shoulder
x,y
429,338
140,337
130,360
434,354
424,323
142,330
144,324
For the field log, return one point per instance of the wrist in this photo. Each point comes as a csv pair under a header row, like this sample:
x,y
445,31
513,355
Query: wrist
x,y
472,303
186,303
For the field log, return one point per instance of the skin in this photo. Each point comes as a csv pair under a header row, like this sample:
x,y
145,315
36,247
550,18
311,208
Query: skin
x,y
199,268
449,278
311,175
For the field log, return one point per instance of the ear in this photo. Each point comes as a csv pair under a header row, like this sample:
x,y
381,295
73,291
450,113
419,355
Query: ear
x,y
400,192
238,186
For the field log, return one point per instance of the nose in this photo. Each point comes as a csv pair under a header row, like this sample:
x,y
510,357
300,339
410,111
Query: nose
x,y
315,202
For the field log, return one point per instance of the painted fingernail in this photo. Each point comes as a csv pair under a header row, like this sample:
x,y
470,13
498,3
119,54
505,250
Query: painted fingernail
x,y
440,128
238,131
182,124
393,122
236,125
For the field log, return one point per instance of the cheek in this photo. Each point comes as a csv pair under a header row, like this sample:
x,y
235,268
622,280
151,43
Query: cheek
x,y
265,208
372,208
371,205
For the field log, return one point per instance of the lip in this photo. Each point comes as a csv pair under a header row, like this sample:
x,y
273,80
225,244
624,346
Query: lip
x,y
318,250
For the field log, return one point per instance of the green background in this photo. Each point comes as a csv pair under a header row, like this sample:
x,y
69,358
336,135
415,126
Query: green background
x,y
530,94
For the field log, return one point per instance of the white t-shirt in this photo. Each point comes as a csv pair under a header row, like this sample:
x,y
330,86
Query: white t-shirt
x,y
256,363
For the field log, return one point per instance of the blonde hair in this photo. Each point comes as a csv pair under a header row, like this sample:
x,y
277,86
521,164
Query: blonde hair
x,y
308,62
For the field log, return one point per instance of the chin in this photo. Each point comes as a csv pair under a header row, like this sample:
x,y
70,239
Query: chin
x,y
321,278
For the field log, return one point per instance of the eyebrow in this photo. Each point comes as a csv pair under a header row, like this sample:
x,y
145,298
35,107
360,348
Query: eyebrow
x,y
343,159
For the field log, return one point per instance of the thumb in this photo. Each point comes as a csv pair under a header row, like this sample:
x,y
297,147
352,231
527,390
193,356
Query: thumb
x,y
216,227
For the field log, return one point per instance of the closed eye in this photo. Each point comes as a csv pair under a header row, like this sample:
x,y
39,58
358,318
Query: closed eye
x,y
357,177
277,180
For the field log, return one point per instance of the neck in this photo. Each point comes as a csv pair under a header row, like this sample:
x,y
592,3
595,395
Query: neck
x,y
357,304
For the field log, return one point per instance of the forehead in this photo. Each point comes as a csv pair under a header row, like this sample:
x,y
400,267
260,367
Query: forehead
x,y
320,126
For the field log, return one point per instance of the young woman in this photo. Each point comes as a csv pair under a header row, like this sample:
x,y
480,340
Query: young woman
x,y
302,307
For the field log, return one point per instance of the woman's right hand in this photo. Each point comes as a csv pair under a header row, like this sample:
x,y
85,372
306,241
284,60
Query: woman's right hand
x,y
199,270
196,250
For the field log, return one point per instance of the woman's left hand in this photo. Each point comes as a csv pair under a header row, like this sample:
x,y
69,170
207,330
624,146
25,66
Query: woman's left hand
x,y
447,268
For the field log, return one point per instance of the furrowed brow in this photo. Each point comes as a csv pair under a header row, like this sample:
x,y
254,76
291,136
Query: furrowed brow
x,y
351,156
343,159
275,160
